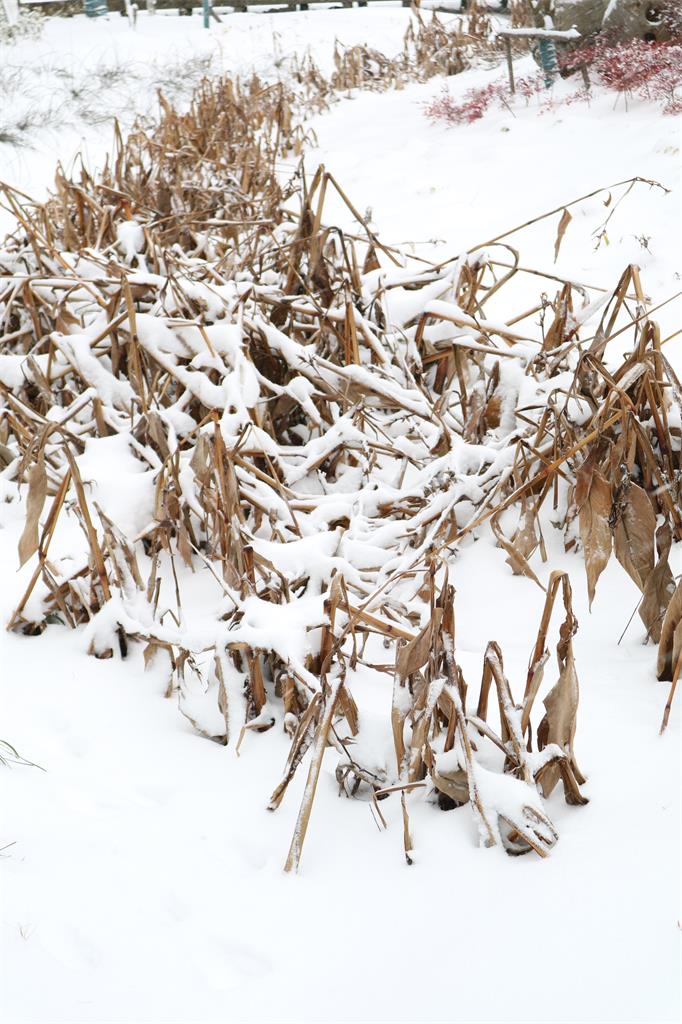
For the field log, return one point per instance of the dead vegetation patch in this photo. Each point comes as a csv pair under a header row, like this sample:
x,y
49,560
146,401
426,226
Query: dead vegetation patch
x,y
324,421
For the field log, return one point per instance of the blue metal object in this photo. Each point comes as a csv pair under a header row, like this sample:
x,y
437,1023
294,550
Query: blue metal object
x,y
207,13
95,8
548,60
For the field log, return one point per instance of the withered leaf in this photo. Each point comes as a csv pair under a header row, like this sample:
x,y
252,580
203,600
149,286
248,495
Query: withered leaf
x,y
634,535
172,506
184,545
371,261
232,490
558,725
231,574
149,653
474,422
671,637
200,461
453,783
515,551
566,219
557,331
7,456
493,411
414,655
526,537
156,433
349,709
593,498
659,587
37,492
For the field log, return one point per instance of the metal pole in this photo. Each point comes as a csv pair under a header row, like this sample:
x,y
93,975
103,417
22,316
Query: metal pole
x,y
207,13
510,64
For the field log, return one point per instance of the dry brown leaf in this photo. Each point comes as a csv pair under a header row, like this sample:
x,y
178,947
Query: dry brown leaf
x,y
184,544
561,703
659,588
371,261
7,456
37,492
566,219
558,725
634,535
472,427
452,783
524,543
157,434
559,328
414,655
201,459
670,645
493,412
593,498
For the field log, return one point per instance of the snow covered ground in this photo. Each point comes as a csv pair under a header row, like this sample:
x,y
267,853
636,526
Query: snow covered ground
x,y
144,877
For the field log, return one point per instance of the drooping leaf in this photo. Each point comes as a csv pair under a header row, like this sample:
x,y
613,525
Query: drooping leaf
x,y
561,703
659,587
414,655
371,261
634,535
563,316
37,492
559,724
526,538
566,219
451,782
670,644
593,498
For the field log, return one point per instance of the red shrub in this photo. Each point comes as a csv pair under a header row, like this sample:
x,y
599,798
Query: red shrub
x,y
650,71
637,68
472,106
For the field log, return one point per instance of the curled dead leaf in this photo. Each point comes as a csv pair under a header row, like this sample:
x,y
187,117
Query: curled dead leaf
x,y
566,219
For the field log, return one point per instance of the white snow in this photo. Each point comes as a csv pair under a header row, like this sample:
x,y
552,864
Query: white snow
x,y
130,237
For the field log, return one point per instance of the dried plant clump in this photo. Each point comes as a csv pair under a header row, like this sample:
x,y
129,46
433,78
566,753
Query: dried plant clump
x,y
430,48
323,421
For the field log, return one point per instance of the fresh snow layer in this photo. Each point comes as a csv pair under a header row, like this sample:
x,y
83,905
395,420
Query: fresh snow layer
x,y
141,872
145,882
